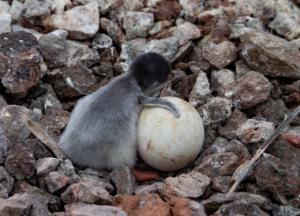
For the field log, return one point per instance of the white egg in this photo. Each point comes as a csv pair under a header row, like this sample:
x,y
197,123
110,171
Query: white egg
x,y
167,143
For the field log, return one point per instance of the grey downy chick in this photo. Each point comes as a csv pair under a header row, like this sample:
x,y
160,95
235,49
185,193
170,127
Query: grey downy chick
x,y
102,130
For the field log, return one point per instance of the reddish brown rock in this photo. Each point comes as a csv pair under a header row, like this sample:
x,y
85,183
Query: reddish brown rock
x,y
185,86
113,30
14,207
21,62
185,207
237,118
192,185
166,10
277,176
218,164
250,90
55,181
20,161
219,54
270,54
73,81
55,121
87,190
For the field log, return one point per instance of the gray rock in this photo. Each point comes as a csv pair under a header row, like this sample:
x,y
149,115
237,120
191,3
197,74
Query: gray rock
x,y
80,209
49,100
218,164
7,183
191,185
55,121
192,9
38,148
55,181
285,211
253,131
241,68
4,145
46,165
16,9
201,90
54,48
79,27
34,12
183,52
87,190
218,199
270,55
102,41
5,17
240,208
197,63
219,54
66,168
113,30
222,79
167,47
186,32
152,188
20,161
221,183
22,63
216,110
12,120
137,24
73,81
124,180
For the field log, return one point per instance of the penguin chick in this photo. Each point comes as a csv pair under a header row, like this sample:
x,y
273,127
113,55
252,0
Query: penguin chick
x,y
101,132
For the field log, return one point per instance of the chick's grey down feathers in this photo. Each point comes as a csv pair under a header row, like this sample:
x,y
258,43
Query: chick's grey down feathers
x,y
101,132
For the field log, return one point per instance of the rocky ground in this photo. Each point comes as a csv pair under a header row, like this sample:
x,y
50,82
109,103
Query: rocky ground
x,y
236,61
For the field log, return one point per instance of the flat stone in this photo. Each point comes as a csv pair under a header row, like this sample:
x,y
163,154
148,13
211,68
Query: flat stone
x,y
201,90
186,32
240,208
216,110
270,55
221,54
86,190
22,64
12,120
123,179
251,89
218,164
81,209
191,185
20,161
253,131
137,24
79,27
46,165
73,81
215,201
7,183
236,120
277,176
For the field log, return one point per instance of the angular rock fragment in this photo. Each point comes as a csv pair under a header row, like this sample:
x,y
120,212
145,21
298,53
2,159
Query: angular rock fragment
x,y
221,183
49,100
216,110
197,63
4,145
73,81
182,206
250,90
14,207
253,131
79,27
285,210
277,176
86,190
270,55
137,24
221,54
222,79
191,185
236,120
185,32
192,9
66,168
218,164
21,62
215,201
5,17
55,120
165,9
152,188
167,47
38,148
102,41
200,91
185,86
20,161
7,183
240,208
46,165
81,209
12,120
123,179
113,30
55,181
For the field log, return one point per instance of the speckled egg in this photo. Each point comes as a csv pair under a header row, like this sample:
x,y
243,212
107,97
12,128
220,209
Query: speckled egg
x,y
167,143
